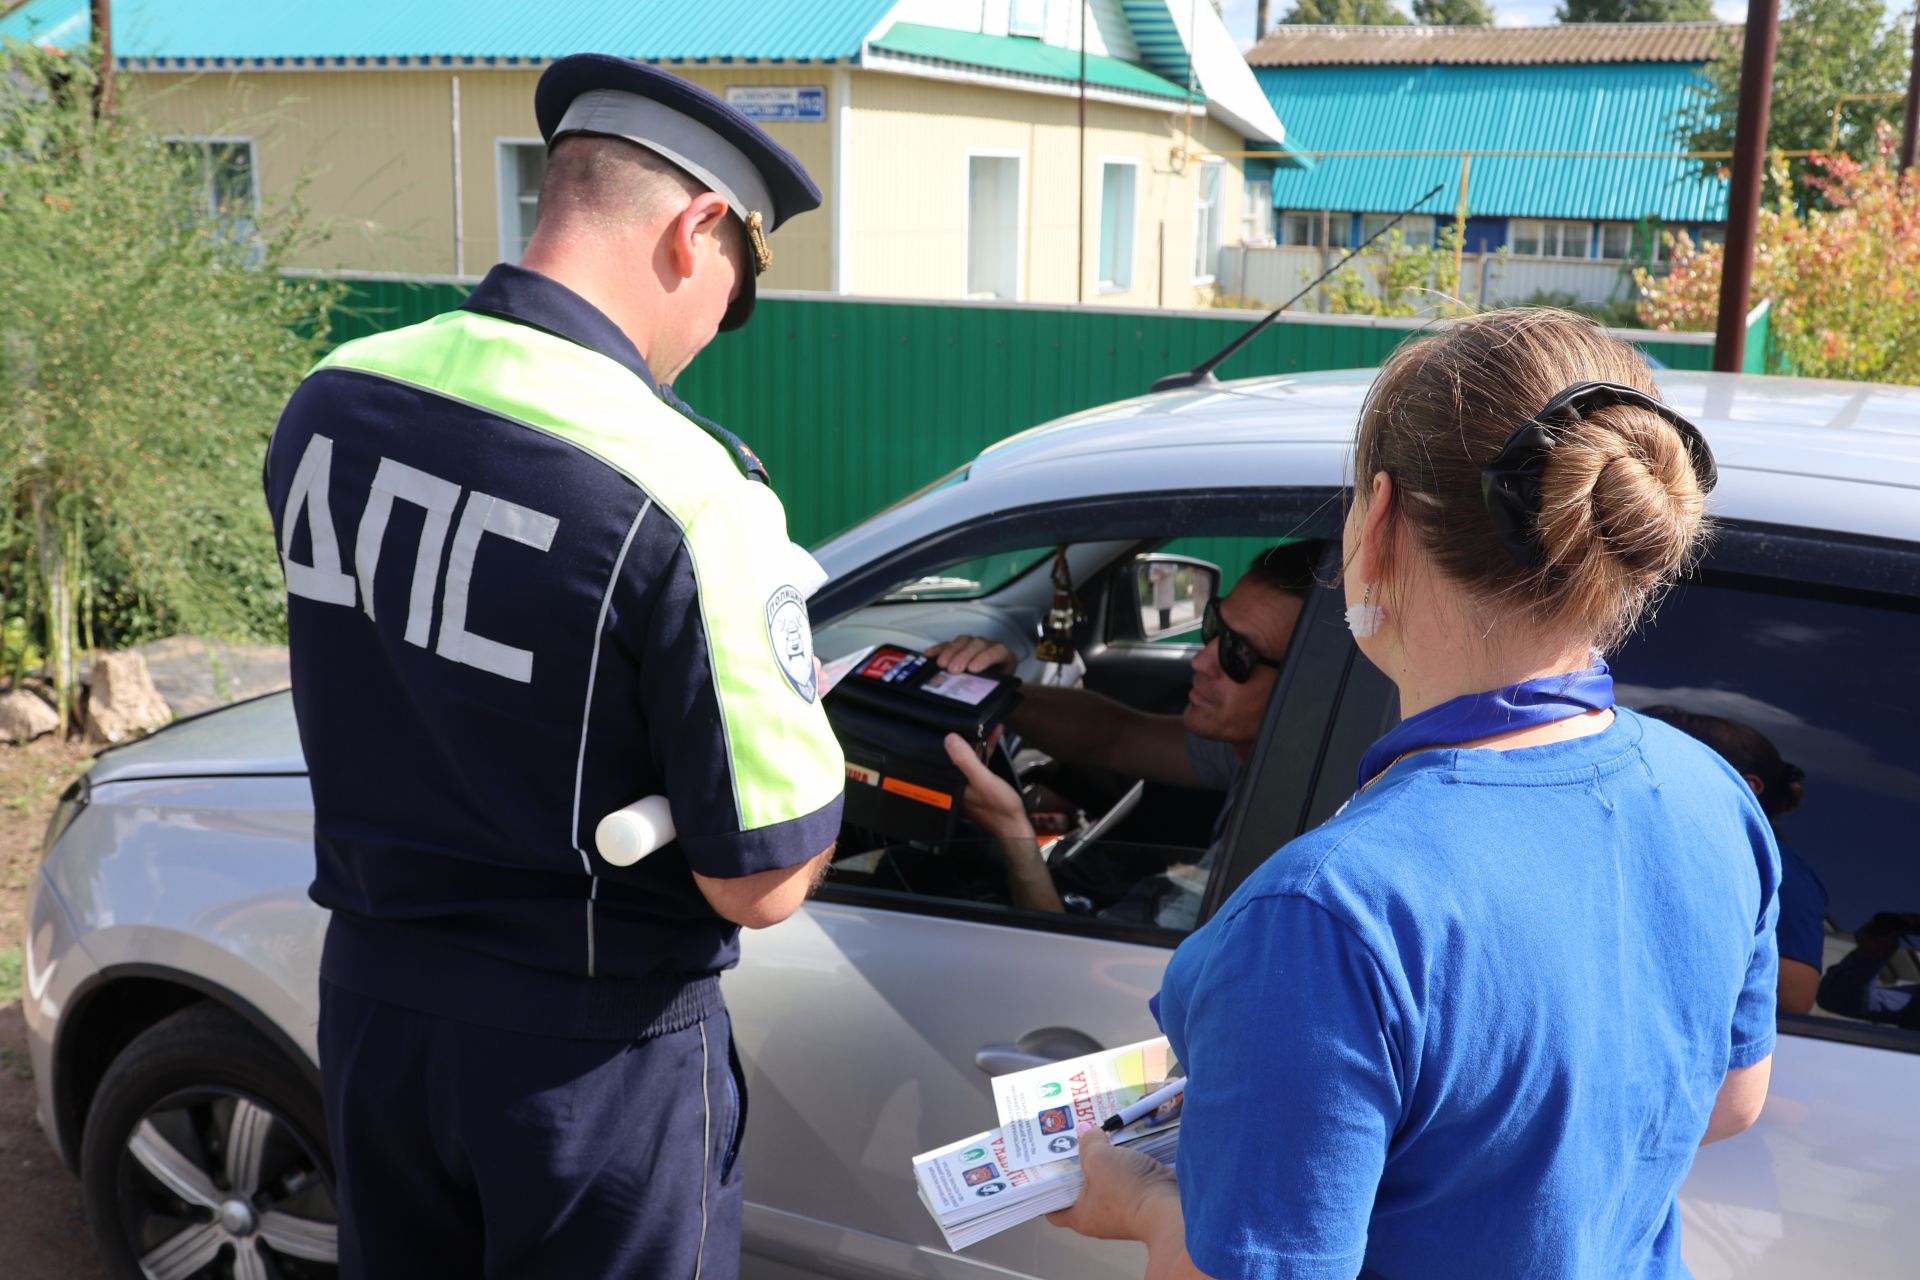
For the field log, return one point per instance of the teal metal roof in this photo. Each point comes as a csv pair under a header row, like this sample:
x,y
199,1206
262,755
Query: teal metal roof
x,y
1618,107
213,32
1022,57
1161,45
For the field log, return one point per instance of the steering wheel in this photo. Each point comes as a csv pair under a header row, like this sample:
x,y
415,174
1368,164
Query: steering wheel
x,y
1070,846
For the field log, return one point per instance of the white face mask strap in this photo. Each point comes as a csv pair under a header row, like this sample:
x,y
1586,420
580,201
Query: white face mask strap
x,y
1366,618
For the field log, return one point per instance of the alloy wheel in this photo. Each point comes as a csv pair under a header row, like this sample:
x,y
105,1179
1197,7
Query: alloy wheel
x,y
214,1184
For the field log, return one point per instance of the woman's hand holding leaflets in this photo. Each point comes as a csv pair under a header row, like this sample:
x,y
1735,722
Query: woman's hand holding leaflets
x,y
1130,1196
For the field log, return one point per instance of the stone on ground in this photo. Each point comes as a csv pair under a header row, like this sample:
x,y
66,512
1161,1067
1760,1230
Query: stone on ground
x,y
24,717
121,700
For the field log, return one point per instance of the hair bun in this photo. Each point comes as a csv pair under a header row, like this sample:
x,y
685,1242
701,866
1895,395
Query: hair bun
x,y
1620,497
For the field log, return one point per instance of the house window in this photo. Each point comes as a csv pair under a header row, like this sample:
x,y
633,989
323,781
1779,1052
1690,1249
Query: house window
x,y
1117,184
993,226
220,173
522,166
1416,229
1303,228
1616,240
1206,223
1256,223
1027,18
1537,237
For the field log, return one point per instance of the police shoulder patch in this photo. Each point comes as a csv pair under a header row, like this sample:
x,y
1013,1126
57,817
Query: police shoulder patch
x,y
792,638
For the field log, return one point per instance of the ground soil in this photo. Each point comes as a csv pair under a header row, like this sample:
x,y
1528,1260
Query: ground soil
x,y
43,1230
43,1233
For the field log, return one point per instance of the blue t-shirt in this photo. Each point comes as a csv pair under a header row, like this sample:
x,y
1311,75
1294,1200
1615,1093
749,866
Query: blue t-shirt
x,y
1475,1024
1803,910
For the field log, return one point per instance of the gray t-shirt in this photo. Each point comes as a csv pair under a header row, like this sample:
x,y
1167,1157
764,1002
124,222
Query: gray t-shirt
x,y
1172,898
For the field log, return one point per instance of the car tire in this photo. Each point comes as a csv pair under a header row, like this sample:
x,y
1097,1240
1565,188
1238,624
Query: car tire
x,y
205,1155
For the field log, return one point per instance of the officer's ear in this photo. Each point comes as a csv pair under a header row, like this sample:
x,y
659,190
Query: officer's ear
x,y
695,234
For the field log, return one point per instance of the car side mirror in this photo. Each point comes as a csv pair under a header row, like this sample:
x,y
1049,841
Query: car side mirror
x,y
1163,596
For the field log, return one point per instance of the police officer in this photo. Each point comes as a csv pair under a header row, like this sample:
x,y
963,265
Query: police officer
x,y
527,587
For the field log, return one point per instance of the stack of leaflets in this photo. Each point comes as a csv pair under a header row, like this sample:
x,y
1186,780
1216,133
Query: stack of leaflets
x,y
1029,1166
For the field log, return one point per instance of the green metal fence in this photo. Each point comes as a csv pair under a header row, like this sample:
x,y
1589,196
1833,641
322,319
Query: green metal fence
x,y
854,402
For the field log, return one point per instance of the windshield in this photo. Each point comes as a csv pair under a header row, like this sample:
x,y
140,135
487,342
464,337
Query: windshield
x,y
971,578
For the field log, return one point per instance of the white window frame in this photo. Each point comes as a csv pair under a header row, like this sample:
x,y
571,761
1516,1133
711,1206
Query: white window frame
x,y
1019,159
1622,228
1552,231
209,141
1407,228
224,140
1035,25
1256,212
1206,218
506,180
1314,220
1133,226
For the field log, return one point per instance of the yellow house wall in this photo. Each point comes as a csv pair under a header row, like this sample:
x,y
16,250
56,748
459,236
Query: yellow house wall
x,y
908,162
372,153
375,152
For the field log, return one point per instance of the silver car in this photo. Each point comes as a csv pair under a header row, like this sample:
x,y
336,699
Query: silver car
x,y
170,982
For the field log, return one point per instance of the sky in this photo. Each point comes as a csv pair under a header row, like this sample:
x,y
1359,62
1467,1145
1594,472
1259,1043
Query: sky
x,y
1506,13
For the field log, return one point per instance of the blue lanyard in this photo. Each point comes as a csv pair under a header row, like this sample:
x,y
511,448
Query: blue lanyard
x,y
1481,715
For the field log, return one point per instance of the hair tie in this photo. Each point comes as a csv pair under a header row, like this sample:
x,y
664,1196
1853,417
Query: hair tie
x,y
1510,484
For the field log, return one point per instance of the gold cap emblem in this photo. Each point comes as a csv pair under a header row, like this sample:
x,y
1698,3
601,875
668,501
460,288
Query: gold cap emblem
x,y
757,240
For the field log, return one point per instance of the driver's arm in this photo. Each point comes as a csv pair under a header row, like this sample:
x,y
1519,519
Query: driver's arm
x,y
1079,726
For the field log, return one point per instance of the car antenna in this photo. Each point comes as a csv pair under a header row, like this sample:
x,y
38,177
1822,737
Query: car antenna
x,y
1201,375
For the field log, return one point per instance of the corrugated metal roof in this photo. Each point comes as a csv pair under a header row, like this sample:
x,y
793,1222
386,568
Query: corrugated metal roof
x,y
1574,42
655,30
1021,57
1162,47
1625,107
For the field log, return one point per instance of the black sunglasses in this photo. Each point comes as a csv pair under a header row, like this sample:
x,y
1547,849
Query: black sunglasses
x,y
1238,658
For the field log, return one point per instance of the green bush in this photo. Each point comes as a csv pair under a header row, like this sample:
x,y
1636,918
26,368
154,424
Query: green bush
x,y
147,343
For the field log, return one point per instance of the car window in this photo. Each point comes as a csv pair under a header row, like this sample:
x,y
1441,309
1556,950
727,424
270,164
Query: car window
x,y
1124,854
1824,675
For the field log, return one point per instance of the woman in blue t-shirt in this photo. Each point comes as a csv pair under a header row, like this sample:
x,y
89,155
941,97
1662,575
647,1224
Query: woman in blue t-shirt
x,y
1477,1024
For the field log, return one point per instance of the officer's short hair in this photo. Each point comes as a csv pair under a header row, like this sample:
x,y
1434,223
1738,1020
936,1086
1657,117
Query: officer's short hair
x,y
611,183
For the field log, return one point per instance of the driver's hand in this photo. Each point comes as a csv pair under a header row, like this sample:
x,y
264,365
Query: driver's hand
x,y
974,654
991,800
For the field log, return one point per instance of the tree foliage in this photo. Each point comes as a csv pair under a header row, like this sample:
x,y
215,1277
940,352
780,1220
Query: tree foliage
x,y
1346,13
1844,279
1395,278
147,342
1827,49
1453,13
1635,11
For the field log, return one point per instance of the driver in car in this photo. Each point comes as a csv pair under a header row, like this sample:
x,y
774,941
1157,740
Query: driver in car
x,y
1207,745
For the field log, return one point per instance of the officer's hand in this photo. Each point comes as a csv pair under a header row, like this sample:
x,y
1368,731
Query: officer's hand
x,y
974,654
991,800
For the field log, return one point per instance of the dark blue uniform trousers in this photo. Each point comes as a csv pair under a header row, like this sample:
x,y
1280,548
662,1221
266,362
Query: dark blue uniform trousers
x,y
461,1150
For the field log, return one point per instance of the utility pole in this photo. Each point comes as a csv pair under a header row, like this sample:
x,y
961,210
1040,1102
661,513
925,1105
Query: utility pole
x,y
1743,196
1080,186
1911,129
1260,21
103,36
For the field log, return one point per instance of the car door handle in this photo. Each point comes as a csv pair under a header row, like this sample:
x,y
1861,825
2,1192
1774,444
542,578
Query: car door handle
x,y
1035,1049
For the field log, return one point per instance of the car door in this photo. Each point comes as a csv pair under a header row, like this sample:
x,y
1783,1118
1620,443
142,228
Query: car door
x,y
869,1024
1809,638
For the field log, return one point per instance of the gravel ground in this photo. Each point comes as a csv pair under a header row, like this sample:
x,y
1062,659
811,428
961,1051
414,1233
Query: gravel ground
x,y
43,1230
